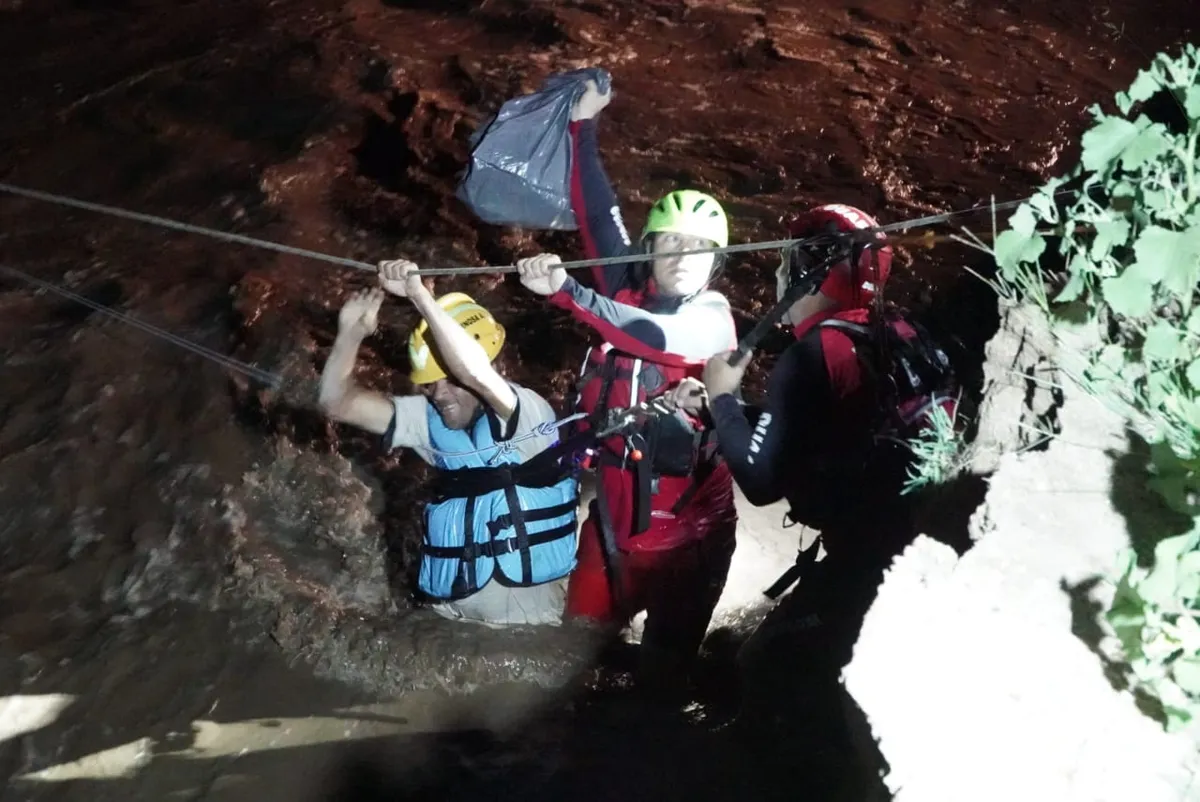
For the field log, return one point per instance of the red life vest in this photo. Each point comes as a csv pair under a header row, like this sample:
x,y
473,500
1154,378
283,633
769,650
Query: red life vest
x,y
918,373
660,500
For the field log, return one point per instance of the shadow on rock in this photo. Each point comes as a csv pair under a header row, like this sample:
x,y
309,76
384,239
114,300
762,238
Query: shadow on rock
x,y
944,512
1148,517
1086,614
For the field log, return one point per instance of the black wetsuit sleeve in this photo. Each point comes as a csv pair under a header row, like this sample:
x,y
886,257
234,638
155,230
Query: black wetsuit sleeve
x,y
765,457
597,211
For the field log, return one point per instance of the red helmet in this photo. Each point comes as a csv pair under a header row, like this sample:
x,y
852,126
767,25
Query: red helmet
x,y
851,287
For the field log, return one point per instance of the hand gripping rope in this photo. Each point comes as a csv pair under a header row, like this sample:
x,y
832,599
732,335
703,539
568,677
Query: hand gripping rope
x,y
623,419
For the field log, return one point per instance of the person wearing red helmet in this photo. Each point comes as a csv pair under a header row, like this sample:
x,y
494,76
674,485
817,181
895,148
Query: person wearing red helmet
x,y
855,370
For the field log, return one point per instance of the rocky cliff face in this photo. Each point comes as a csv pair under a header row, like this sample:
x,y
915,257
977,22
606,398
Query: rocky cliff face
x,y
990,675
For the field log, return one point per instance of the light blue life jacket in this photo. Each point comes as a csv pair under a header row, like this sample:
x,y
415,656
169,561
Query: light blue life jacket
x,y
491,512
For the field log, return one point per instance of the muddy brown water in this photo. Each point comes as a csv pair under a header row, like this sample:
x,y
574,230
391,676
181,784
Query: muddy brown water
x,y
170,531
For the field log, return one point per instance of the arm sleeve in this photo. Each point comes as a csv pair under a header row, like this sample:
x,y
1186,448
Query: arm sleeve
x,y
535,427
698,330
504,429
764,458
409,427
596,210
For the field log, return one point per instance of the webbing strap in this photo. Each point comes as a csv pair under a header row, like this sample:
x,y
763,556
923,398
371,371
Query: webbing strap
x,y
496,548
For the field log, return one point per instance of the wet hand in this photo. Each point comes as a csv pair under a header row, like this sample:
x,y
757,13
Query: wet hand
x,y
689,395
590,103
542,273
360,314
400,277
720,377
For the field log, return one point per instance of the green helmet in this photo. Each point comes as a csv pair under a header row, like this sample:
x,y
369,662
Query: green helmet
x,y
686,211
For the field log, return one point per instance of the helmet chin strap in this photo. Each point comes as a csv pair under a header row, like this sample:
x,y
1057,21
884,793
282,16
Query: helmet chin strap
x,y
781,289
714,272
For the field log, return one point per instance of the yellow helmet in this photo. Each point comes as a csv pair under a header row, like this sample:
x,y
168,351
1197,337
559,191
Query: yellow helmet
x,y
471,316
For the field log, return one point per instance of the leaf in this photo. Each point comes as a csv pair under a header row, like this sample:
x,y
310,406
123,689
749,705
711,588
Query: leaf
x,y
1189,576
1149,145
1147,82
1147,671
1174,490
1179,72
1170,257
1075,287
1043,201
1193,324
1174,479
1193,374
1187,632
1111,359
1162,342
1189,412
1186,671
1177,718
1013,248
1127,294
1157,202
1160,388
1106,141
1128,625
1191,102
1127,614
1160,585
1170,550
1108,234
1023,220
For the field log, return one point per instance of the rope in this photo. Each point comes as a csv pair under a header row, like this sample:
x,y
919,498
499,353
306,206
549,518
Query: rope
x,y
547,429
273,380
163,222
227,236
266,377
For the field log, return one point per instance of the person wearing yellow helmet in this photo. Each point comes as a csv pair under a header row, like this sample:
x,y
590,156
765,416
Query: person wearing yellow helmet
x,y
500,536
667,519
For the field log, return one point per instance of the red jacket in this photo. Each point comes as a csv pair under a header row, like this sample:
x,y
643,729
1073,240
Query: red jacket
x,y
646,345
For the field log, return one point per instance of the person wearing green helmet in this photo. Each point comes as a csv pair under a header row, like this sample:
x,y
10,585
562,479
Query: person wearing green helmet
x,y
660,535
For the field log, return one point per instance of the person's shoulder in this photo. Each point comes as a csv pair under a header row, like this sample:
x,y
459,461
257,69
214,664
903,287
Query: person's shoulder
x,y
409,426
857,315
532,408
410,405
711,298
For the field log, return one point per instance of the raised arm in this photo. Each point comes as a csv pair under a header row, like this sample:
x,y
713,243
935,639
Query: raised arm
x,y
697,330
340,398
459,353
763,457
592,197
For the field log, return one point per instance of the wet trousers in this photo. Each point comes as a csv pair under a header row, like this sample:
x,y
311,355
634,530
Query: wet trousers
x,y
678,588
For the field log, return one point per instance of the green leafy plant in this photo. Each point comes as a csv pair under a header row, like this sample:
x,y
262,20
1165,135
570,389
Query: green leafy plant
x,y
938,452
1130,244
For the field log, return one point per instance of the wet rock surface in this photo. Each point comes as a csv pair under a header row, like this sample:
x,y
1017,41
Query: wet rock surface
x,y
135,475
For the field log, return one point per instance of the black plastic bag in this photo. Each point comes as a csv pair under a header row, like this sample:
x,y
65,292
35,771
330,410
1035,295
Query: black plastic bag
x,y
520,170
